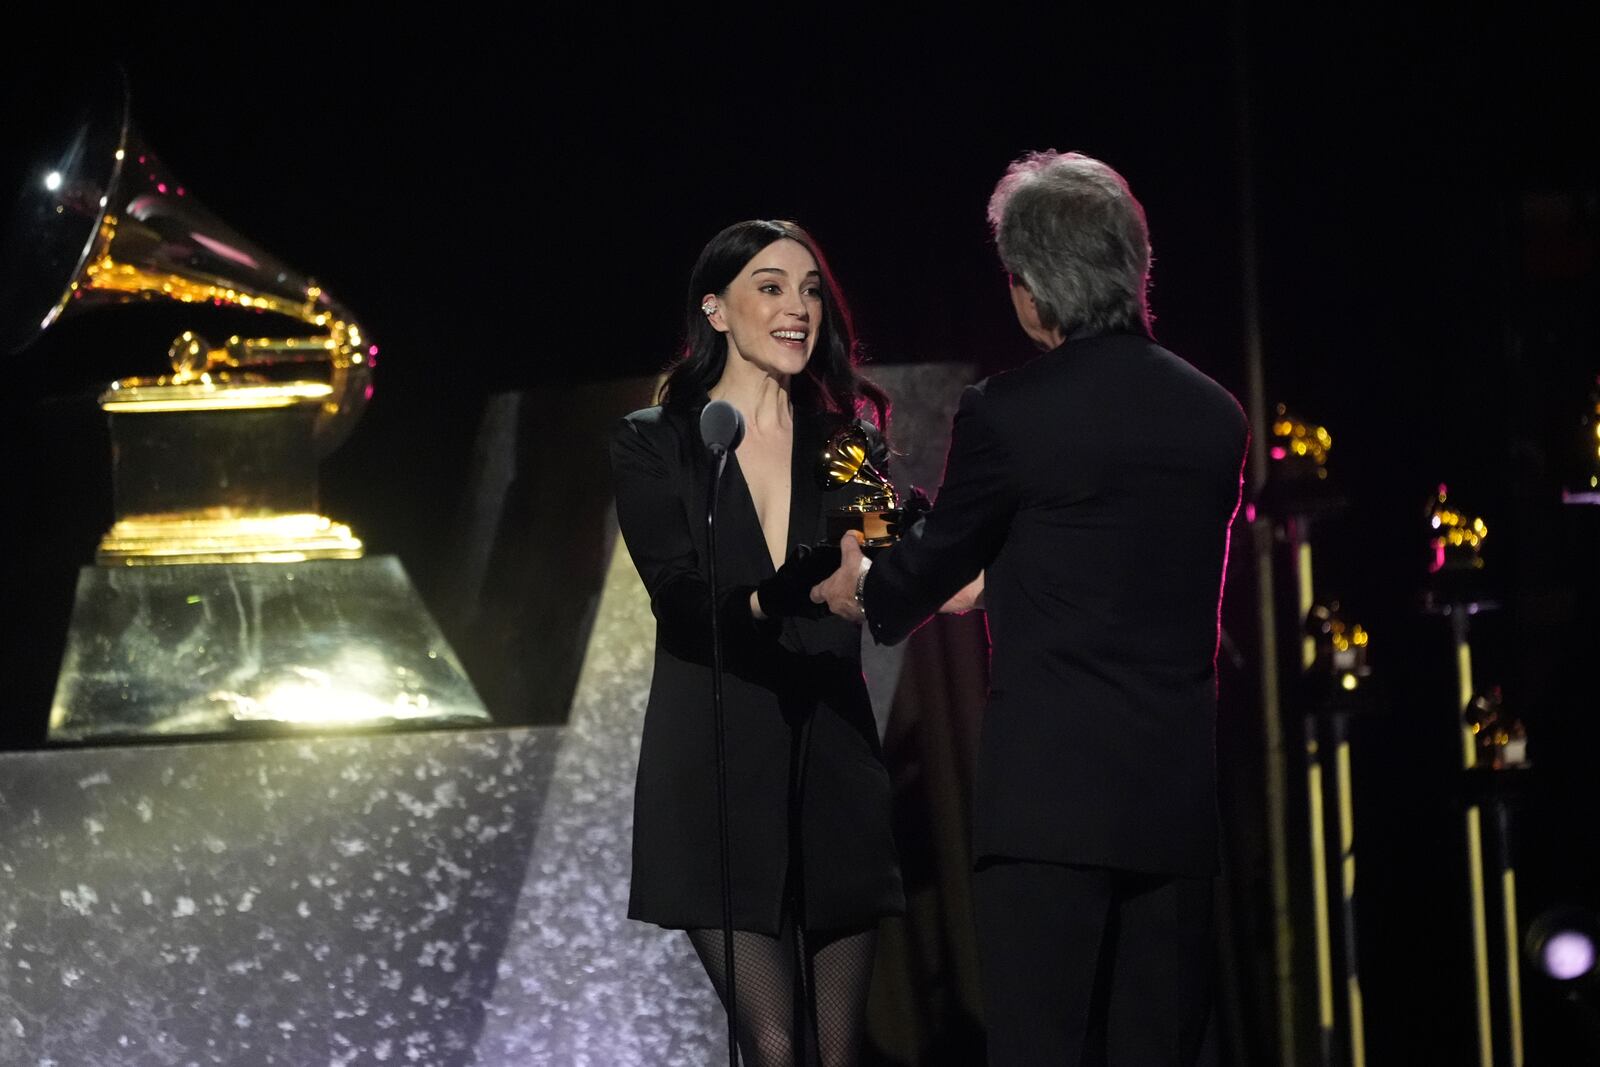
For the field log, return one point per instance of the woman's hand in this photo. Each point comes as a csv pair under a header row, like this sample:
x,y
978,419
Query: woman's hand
x,y
788,591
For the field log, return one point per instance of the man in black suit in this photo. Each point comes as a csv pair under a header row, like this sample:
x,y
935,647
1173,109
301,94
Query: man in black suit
x,y
1087,500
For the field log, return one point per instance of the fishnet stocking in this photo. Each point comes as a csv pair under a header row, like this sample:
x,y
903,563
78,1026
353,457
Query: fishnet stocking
x,y
839,967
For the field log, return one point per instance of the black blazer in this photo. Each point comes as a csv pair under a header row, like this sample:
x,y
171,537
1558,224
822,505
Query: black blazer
x,y
1096,487
808,793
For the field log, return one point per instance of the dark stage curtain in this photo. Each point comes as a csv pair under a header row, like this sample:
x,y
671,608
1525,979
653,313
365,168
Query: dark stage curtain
x,y
924,1007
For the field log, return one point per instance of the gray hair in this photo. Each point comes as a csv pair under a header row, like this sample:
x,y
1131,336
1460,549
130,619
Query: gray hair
x,y
1068,228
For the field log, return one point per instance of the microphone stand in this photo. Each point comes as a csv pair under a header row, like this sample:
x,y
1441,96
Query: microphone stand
x,y
720,460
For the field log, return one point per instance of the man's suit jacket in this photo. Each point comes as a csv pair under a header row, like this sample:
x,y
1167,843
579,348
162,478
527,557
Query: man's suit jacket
x,y
1095,487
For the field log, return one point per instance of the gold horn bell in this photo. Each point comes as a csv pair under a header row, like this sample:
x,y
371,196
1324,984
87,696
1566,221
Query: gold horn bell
x,y
216,460
874,503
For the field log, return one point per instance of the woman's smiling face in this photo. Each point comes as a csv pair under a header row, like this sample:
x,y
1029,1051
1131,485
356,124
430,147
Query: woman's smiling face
x,y
772,309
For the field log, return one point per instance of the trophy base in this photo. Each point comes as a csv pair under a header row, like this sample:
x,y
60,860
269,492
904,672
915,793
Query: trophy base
x,y
873,526
232,649
213,536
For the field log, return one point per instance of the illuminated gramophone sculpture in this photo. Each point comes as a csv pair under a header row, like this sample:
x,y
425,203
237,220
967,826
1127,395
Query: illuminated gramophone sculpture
x,y
1336,685
1586,485
1456,590
275,617
1456,574
1298,485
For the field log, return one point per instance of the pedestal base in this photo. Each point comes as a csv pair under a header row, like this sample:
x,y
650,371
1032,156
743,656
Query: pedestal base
x,y
222,649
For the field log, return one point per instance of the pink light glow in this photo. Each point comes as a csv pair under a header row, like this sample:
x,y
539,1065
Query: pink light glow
x,y
1279,452
1227,546
225,251
1437,564
161,187
1250,512
372,350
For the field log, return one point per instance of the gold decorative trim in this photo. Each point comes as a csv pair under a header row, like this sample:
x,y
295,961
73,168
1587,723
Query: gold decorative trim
x,y
143,398
205,537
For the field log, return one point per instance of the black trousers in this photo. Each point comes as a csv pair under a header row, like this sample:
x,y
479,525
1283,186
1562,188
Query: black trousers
x,y
1086,965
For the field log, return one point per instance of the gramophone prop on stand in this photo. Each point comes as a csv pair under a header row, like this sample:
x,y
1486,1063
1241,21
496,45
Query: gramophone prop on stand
x,y
1456,590
1336,685
1298,481
1298,492
853,460
1455,556
1297,495
1496,774
276,618
216,460
1585,487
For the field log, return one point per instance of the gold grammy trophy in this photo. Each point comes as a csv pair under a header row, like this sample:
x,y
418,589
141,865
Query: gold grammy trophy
x,y
215,466
846,462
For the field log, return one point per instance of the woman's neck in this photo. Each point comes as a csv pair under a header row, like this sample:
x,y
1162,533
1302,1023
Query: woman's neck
x,y
762,398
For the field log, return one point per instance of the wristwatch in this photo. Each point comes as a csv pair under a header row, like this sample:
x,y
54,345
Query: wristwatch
x,y
861,588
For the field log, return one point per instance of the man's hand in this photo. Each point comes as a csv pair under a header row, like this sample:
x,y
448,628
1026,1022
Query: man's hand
x,y
838,590
970,596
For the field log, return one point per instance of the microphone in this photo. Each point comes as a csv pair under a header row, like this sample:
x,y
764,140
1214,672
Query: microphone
x,y
721,427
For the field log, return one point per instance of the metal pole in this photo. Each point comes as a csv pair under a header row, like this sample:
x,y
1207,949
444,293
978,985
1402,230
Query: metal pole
x,y
723,848
1474,818
1298,531
1277,783
1302,541
1347,849
1319,894
1508,903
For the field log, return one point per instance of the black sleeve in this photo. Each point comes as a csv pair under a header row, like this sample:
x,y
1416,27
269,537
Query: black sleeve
x,y
655,527
947,547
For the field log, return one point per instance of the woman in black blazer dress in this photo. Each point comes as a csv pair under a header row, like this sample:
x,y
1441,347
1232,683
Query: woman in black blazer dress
x,y
813,858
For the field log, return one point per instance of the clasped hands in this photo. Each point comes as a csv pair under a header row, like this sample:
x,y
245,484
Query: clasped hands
x,y
817,580
838,591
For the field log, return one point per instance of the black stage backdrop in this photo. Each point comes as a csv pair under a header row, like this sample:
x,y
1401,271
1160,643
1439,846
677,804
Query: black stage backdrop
x,y
514,203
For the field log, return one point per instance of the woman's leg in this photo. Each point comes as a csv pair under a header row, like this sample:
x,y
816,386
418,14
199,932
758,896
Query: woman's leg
x,y
764,976
840,966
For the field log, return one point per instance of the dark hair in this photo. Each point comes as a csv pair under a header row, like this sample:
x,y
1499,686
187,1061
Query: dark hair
x,y
830,382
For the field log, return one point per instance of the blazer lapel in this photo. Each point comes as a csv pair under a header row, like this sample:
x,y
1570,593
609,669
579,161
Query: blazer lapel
x,y
805,498
744,536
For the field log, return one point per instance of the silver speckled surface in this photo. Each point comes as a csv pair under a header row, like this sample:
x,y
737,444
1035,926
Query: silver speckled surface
x,y
580,983
444,898
332,900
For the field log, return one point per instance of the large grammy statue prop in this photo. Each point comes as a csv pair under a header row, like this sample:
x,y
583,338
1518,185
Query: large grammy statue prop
x,y
223,601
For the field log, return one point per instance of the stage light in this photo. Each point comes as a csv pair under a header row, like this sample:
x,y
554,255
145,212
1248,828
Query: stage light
x,y
1564,944
1568,955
